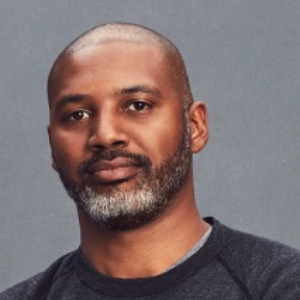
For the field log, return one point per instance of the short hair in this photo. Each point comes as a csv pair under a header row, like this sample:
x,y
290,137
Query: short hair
x,y
137,34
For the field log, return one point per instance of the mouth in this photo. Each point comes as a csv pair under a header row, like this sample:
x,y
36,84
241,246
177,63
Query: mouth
x,y
114,171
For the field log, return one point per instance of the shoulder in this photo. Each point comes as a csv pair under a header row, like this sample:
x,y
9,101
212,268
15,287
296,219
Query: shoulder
x,y
260,266
38,285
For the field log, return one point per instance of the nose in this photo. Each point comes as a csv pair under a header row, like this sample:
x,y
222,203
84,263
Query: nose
x,y
107,131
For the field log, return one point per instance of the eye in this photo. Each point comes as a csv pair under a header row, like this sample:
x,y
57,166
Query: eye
x,y
78,115
138,106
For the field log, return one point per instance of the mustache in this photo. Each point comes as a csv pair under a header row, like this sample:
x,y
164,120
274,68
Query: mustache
x,y
139,159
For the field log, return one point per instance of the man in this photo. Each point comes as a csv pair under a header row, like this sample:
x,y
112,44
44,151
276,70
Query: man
x,y
123,127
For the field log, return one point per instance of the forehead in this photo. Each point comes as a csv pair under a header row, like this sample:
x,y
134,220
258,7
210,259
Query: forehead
x,y
117,53
114,60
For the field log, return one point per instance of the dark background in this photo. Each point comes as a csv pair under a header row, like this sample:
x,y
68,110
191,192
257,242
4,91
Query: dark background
x,y
243,61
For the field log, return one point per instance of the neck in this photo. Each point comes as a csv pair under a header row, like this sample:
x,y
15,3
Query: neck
x,y
146,251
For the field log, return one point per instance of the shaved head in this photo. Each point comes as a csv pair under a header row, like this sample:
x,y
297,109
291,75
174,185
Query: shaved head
x,y
130,33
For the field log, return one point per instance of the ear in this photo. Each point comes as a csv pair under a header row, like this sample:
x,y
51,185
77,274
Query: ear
x,y
54,167
198,119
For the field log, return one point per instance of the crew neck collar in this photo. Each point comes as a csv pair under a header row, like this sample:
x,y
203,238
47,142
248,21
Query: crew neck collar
x,y
152,285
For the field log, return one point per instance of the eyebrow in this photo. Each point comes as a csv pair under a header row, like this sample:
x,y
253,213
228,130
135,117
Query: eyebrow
x,y
76,98
69,99
138,89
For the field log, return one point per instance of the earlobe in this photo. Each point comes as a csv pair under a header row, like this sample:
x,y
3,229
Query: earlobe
x,y
198,119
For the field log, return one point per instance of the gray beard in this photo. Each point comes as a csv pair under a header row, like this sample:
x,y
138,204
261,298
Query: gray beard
x,y
120,209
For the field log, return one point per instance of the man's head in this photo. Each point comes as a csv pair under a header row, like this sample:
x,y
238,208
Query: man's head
x,y
122,124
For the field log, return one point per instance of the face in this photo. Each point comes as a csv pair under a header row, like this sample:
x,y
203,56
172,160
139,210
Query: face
x,y
119,133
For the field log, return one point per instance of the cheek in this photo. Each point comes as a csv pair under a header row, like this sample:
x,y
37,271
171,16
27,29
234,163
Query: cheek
x,y
170,139
67,150
164,137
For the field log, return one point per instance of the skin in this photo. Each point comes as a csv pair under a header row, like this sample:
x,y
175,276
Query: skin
x,y
125,97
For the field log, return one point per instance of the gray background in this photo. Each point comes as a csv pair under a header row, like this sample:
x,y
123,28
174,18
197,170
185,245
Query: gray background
x,y
243,61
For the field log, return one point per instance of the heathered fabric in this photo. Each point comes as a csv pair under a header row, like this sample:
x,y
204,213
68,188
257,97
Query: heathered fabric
x,y
231,265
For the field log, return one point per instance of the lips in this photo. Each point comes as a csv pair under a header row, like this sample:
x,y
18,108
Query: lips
x,y
119,169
